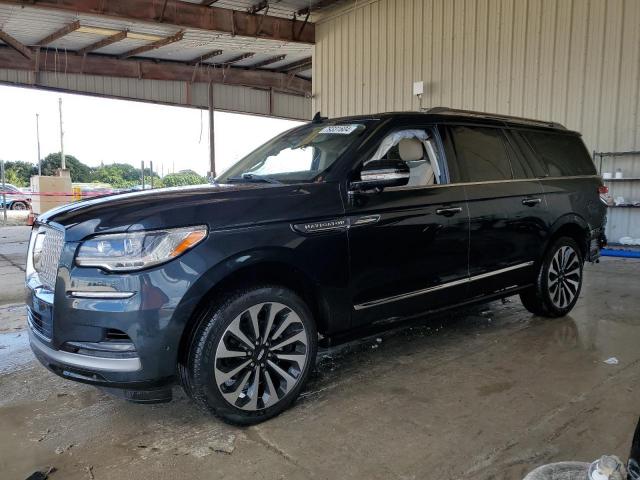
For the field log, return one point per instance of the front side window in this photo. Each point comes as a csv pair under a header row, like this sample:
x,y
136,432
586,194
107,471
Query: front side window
x,y
417,149
299,155
481,154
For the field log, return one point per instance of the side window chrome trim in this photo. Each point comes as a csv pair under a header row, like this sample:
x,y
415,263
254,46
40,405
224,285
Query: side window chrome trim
x,y
489,182
462,281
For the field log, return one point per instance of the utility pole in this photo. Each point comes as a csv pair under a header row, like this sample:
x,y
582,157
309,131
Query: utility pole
x,y
63,161
151,173
38,138
142,173
212,146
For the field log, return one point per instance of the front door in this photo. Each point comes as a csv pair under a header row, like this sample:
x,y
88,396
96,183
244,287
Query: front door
x,y
408,245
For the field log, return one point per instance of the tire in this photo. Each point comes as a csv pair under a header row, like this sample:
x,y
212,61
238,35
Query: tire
x,y
558,282
19,206
244,376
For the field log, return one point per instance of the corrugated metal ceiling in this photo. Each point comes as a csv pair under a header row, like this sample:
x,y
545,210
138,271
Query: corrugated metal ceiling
x,y
31,24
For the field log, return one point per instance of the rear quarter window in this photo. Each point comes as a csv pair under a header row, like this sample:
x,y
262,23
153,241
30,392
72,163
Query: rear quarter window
x,y
562,154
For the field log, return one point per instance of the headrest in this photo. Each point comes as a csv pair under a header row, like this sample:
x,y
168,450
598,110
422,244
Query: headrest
x,y
410,149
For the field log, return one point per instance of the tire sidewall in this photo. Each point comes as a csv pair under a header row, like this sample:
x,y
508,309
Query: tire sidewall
x,y
204,384
543,279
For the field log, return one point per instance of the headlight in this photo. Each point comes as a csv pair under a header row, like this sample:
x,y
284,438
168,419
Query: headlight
x,y
137,250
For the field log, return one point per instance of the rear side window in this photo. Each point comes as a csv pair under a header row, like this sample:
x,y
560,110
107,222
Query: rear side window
x,y
524,162
481,154
563,155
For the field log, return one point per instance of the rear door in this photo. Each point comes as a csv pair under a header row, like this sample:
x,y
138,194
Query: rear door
x,y
506,207
408,245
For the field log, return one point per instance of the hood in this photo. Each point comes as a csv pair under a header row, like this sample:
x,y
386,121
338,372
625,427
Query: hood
x,y
217,206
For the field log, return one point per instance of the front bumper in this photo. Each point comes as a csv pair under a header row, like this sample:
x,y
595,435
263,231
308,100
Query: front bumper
x,y
74,361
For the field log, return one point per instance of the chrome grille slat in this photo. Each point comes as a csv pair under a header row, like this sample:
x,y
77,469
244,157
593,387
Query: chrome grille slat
x,y
47,267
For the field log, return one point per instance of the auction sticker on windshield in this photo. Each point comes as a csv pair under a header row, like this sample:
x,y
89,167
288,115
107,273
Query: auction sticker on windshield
x,y
339,129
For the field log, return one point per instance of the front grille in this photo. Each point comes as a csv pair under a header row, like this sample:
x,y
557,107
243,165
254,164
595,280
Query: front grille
x,y
47,263
39,324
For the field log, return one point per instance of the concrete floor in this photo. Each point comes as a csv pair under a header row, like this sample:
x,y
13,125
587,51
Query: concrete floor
x,y
487,393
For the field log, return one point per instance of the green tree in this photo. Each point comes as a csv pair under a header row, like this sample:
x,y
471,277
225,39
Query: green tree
x,y
183,177
79,171
19,173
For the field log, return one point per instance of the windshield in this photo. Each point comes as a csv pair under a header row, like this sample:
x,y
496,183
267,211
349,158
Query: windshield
x,y
299,155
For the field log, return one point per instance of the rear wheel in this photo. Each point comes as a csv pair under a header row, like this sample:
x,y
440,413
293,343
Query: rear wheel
x,y
251,356
558,282
19,206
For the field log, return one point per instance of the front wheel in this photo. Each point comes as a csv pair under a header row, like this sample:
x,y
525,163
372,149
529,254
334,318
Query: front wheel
x,y
251,356
558,282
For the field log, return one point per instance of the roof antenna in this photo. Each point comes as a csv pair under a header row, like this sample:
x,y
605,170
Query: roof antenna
x,y
317,118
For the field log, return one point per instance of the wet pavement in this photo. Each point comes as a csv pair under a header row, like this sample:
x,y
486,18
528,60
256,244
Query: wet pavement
x,y
485,393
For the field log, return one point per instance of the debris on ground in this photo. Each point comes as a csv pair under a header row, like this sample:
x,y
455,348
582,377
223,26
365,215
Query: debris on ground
x,y
42,474
63,448
612,361
89,471
44,434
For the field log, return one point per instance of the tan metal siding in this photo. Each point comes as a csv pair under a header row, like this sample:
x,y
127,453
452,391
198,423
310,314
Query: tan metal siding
x,y
226,97
576,62
573,61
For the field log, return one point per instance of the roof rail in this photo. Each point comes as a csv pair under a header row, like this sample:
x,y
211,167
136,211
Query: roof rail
x,y
495,116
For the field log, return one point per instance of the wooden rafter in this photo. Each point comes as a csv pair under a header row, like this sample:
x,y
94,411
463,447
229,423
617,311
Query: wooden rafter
x,y
153,45
104,42
208,3
93,64
16,45
182,15
268,61
58,34
204,57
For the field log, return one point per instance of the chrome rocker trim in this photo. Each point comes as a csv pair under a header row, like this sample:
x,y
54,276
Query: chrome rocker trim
x,y
98,364
462,281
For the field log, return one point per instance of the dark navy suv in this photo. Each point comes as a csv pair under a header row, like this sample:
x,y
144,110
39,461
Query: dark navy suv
x,y
324,232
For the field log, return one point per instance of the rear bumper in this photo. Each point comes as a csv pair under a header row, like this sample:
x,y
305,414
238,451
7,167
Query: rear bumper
x,y
596,242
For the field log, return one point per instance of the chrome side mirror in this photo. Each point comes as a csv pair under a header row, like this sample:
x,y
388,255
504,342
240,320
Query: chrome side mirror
x,y
380,174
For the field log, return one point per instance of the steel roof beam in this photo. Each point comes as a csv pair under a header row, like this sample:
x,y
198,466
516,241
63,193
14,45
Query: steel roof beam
x,y
153,45
237,59
104,65
105,42
268,61
258,7
58,34
322,4
296,67
16,45
183,15
204,57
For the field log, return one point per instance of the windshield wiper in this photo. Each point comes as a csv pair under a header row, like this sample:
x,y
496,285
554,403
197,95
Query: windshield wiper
x,y
253,178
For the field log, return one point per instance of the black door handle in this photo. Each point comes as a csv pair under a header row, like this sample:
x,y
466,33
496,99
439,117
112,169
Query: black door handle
x,y
447,212
530,202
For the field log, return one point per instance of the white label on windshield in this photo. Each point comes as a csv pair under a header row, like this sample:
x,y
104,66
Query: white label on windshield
x,y
339,129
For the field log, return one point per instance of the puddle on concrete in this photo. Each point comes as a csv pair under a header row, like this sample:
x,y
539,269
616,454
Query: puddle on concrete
x,y
14,351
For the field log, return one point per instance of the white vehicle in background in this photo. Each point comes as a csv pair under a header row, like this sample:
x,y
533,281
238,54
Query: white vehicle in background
x,y
14,198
